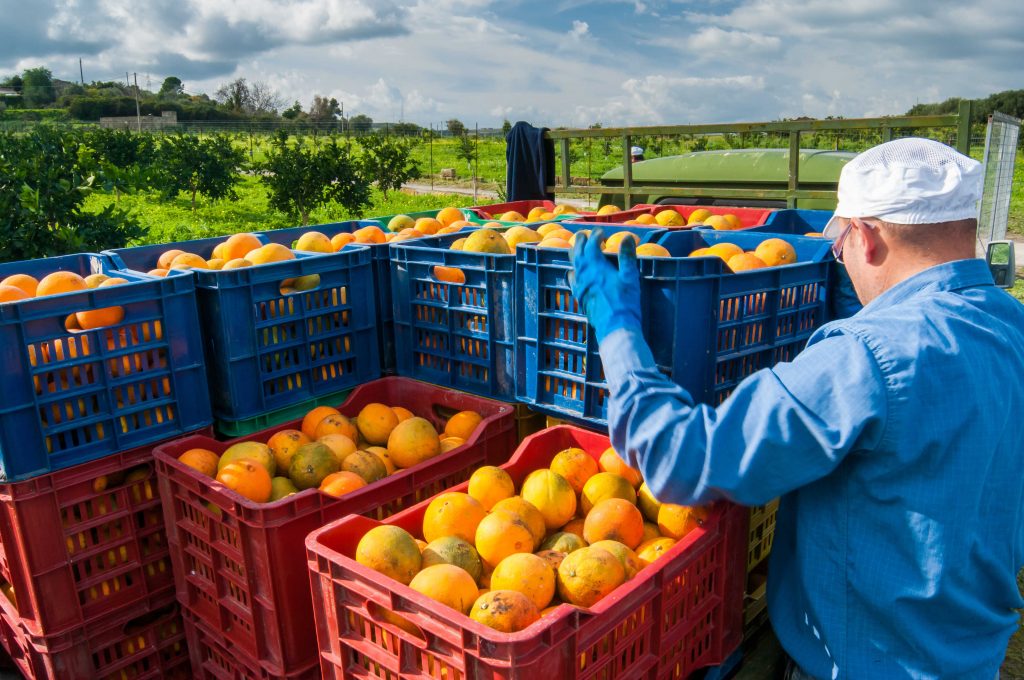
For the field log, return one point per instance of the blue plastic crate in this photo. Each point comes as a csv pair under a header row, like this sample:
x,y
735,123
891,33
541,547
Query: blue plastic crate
x,y
71,396
707,328
267,350
797,222
381,277
457,335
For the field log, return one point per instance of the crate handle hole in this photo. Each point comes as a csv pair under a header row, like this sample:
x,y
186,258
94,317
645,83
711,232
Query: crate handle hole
x,y
93,319
383,617
449,275
300,284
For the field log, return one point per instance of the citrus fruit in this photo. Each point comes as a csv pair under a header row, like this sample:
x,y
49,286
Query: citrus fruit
x,y
501,534
449,215
427,225
698,216
256,451
413,441
718,222
745,262
528,513
189,261
675,521
453,550
60,282
563,542
528,574
385,457
165,259
630,562
614,242
669,218
445,583
375,422
313,418
452,514
614,519
400,222
340,240
203,460
490,484
724,250
23,281
463,424
391,551
247,478
775,252
550,493
610,461
338,484
311,464
284,444
340,445
649,505
237,246
281,487
552,557
366,465
402,413
651,550
652,250
589,574
608,209
486,241
507,611
272,252
576,466
605,485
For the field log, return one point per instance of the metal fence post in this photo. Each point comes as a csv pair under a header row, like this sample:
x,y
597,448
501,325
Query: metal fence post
x,y
627,173
794,168
963,127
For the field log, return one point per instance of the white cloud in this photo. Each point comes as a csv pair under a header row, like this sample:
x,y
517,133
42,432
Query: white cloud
x,y
579,29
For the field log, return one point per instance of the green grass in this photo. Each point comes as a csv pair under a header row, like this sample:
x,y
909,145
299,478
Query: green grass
x,y
169,221
1018,288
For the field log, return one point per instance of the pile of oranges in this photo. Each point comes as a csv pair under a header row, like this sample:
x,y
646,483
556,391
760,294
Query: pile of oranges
x,y
331,452
772,252
573,533
235,252
537,214
23,287
403,227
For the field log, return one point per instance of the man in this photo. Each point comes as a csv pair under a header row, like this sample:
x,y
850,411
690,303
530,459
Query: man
x,y
895,439
636,154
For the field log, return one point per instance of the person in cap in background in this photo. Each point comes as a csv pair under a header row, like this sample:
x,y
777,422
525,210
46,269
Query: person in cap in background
x,y
636,153
895,439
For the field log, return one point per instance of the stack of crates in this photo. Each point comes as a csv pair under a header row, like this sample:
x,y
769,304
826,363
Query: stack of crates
x,y
87,589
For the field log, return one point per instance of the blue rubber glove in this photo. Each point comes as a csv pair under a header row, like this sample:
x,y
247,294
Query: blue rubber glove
x,y
610,296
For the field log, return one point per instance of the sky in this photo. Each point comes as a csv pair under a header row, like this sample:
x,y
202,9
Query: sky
x,y
550,62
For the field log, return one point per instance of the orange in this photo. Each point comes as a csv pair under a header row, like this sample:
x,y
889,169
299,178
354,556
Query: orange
x,y
646,218
649,505
247,478
463,424
447,584
237,263
341,240
313,418
402,413
94,280
427,225
814,234
450,274
399,223
281,487
60,282
457,244
158,272
165,259
669,218
451,443
391,551
366,465
340,445
563,542
218,251
723,250
745,262
335,423
453,550
338,484
203,460
313,242
272,252
106,316
501,534
452,514
775,252
447,230
375,423
447,216
237,246
675,521
585,232
630,562
552,557
535,213
608,209
506,611
24,281
528,513
700,252
369,234
512,216
545,229
605,485
188,261
550,493
284,444
256,451
610,461
614,241
215,264
575,526
733,220
718,222
12,294
311,464
698,216
413,441
614,519
587,575
384,456
576,465
528,574
554,243
651,550
652,250
490,484
486,241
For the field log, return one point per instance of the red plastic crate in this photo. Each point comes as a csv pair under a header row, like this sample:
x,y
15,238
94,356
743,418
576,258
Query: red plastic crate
x,y
616,217
214,658
749,217
681,614
80,543
491,211
238,565
150,646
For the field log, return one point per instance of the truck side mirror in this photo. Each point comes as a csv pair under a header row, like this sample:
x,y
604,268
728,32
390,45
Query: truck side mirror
x,y
1001,263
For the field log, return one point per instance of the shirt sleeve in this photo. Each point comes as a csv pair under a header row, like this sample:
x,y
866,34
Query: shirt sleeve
x,y
780,429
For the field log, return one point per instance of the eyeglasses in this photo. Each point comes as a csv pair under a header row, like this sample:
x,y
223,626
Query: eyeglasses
x,y
837,245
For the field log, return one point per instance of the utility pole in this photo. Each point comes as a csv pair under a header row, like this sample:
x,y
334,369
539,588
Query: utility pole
x,y
138,113
81,73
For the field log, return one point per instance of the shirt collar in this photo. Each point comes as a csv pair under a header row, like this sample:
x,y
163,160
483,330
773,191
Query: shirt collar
x,y
940,278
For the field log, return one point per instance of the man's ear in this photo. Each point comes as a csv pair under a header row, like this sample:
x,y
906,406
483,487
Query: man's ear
x,y
870,240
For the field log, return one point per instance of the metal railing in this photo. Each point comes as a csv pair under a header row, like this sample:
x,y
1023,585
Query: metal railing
x,y
887,127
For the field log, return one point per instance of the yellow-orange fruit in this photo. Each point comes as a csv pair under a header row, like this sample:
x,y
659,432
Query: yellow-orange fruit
x,y
576,466
614,519
506,611
610,461
550,493
528,513
528,574
588,575
490,484
452,514
391,551
447,584
501,534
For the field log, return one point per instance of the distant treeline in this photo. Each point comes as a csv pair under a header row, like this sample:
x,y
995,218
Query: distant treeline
x,y
1010,102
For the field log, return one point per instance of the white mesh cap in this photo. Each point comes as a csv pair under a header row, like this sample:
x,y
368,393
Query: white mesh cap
x,y
908,181
636,151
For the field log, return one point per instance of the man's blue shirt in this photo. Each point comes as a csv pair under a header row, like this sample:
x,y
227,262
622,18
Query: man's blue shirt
x,y
896,441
